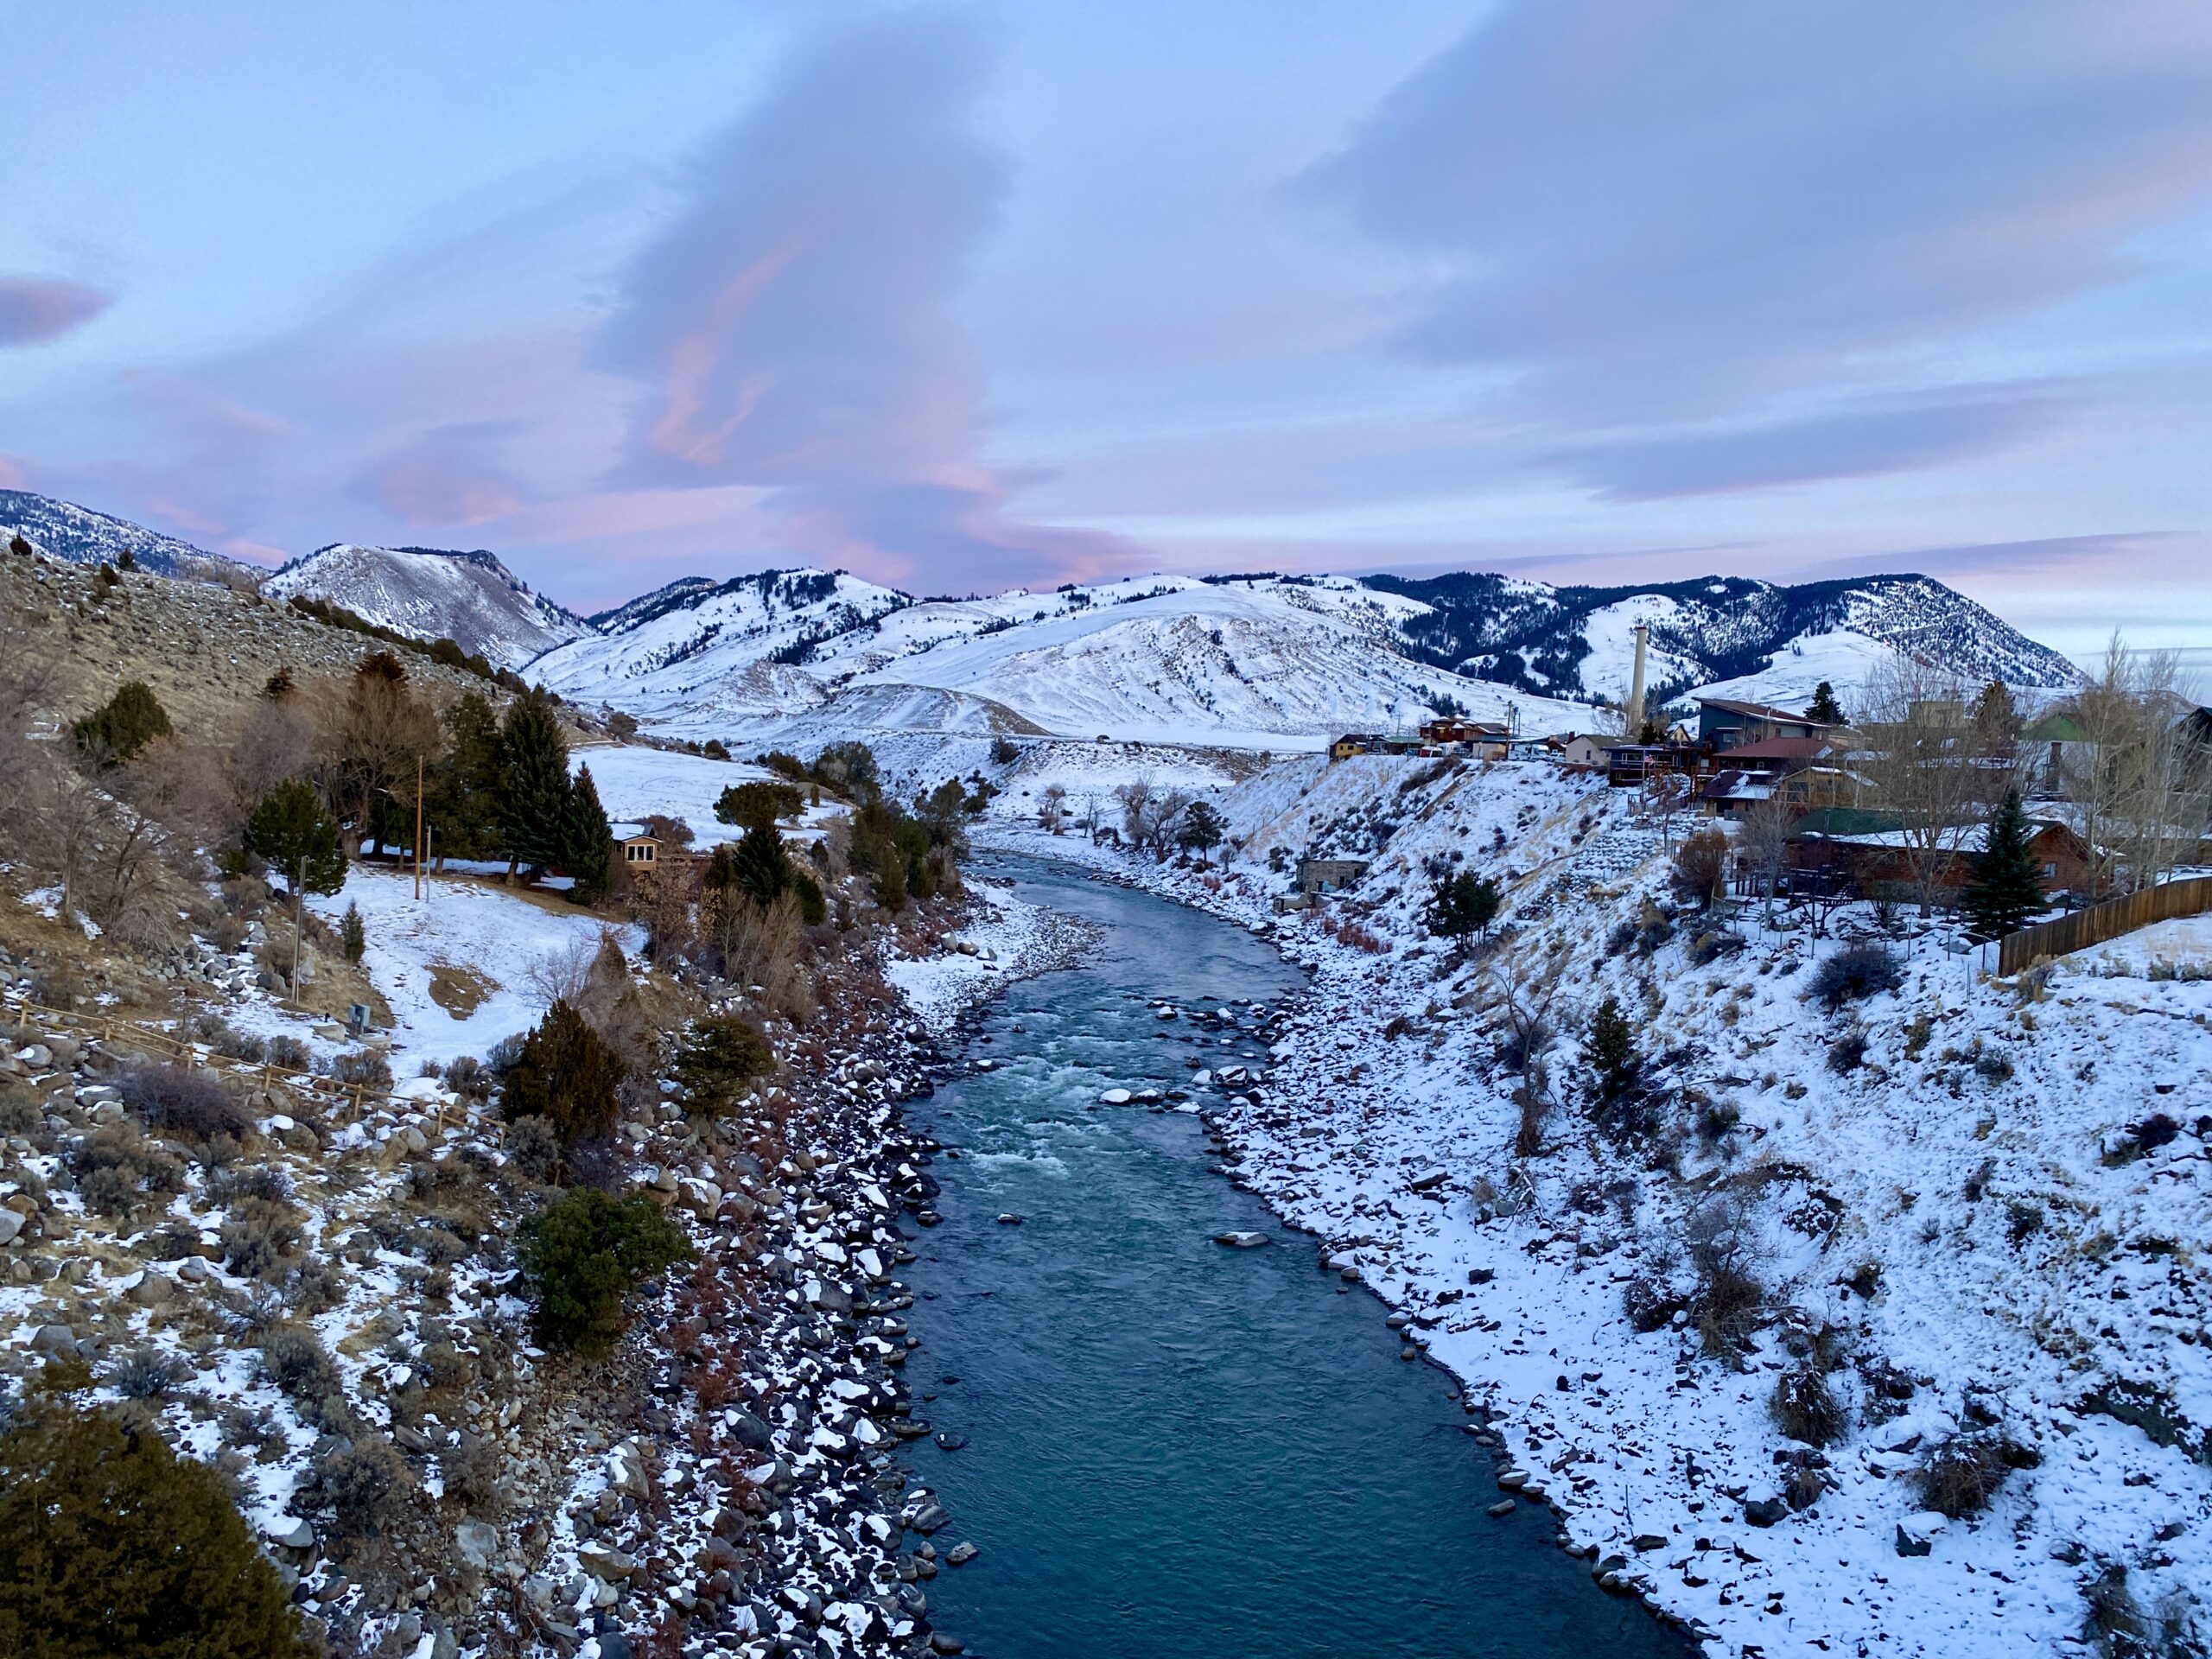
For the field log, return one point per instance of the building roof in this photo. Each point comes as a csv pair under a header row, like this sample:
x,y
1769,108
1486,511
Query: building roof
x,y
1837,823
630,832
1779,748
2057,726
1757,710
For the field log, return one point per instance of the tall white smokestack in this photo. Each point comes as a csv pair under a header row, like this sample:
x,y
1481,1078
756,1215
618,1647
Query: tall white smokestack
x,y
1635,710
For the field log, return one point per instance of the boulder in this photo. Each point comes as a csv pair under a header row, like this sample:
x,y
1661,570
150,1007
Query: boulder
x,y
1764,1511
11,1223
1240,1241
478,1542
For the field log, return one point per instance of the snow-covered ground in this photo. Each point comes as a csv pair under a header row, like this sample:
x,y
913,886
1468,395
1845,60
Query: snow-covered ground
x,y
1961,1207
496,950
634,780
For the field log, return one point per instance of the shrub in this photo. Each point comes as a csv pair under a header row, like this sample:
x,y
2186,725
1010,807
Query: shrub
x,y
190,1104
118,1171
723,1055
258,1234
1729,1299
1855,972
757,805
566,1074
1847,1052
1719,1118
584,1255
1961,1472
290,1053
363,1069
2024,1219
2155,1131
1701,868
125,724
469,1077
1805,1408
146,1374
365,1481
19,1113
111,1545
294,1361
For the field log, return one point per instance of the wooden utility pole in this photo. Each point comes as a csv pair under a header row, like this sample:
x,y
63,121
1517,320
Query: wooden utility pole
x,y
418,829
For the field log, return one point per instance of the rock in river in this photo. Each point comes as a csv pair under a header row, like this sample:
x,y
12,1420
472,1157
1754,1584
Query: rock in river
x,y
1115,1097
1240,1241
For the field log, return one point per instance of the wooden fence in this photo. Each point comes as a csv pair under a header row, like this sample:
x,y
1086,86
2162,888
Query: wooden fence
x,y
2164,902
172,1046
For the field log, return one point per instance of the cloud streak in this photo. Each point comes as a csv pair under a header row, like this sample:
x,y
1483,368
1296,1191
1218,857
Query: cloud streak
x,y
1639,212
795,325
36,310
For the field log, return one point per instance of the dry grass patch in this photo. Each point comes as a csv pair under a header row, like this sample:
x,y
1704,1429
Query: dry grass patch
x,y
460,991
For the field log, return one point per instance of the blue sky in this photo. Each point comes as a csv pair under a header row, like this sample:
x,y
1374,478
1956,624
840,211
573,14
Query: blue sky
x,y
966,296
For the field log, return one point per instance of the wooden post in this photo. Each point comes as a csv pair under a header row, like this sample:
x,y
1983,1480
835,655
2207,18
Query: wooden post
x,y
418,829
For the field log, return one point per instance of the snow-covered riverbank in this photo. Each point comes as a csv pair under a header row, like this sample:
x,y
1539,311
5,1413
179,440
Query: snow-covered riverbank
x,y
1953,1224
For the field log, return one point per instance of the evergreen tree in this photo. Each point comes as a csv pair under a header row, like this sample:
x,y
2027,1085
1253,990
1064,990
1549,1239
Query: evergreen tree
x,y
1824,708
584,1255
292,832
467,781
1202,829
1462,904
129,720
2006,887
534,792
586,844
111,1545
352,935
761,865
1609,1050
565,1074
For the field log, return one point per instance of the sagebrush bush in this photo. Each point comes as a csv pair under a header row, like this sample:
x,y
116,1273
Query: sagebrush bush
x,y
291,1053
1960,1473
119,1172
111,1546
1855,972
1847,1052
257,1234
584,1255
19,1112
469,1077
534,1148
365,1481
1805,1407
146,1374
189,1105
295,1360
363,1069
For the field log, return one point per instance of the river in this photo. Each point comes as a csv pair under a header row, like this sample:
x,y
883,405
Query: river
x,y
1175,1448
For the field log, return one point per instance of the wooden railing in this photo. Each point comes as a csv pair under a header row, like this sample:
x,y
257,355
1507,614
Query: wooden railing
x,y
2164,902
170,1046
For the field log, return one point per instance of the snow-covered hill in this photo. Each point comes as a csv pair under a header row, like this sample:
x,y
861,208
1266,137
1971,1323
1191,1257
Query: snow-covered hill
x,y
1565,641
429,594
1249,660
79,534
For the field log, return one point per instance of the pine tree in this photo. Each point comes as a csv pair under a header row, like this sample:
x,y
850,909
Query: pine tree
x,y
566,1075
586,844
352,935
534,794
2005,890
111,1544
129,720
761,865
292,832
1202,829
1824,708
1609,1050
467,781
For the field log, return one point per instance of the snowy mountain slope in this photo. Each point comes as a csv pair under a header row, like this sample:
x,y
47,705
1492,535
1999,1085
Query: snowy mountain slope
x,y
83,536
1567,641
1216,661
429,594
697,650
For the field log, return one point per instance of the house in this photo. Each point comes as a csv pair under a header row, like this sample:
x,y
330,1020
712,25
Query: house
x,y
1481,738
1630,765
1724,723
1584,749
636,848
1353,743
1329,874
1873,850
2050,751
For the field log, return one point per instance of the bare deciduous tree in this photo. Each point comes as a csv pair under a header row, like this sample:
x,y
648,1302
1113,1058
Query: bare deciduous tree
x,y
1921,758
2137,782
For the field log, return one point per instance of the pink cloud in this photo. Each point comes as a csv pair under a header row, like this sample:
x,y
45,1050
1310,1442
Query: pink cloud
x,y
13,474
34,310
